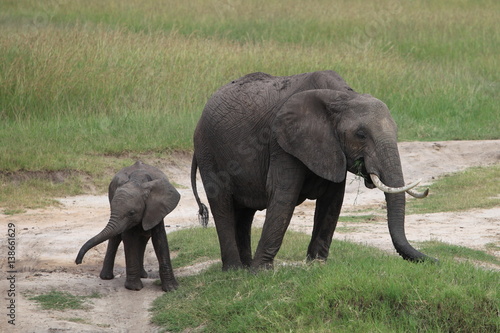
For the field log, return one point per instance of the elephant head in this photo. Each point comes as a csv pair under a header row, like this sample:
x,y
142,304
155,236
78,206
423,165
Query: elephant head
x,y
135,198
333,132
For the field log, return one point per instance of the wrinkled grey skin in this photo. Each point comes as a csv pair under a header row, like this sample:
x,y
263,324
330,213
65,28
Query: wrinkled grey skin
x,y
140,197
266,142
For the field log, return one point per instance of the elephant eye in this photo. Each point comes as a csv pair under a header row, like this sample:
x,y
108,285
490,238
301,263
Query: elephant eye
x,y
361,134
131,213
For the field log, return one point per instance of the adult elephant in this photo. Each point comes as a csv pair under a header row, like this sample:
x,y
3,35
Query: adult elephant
x,y
140,197
266,142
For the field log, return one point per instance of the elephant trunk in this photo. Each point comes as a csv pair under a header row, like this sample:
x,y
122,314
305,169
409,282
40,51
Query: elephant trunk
x,y
396,221
112,229
392,176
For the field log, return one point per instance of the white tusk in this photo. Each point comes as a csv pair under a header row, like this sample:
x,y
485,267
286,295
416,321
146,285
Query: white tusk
x,y
418,195
381,186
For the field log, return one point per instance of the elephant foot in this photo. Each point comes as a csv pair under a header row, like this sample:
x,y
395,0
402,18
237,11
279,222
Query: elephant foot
x,y
144,274
170,285
105,275
317,261
246,263
233,266
262,267
135,284
315,258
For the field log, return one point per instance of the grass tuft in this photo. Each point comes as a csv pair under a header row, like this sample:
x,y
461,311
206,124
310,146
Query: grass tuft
x,y
57,300
451,252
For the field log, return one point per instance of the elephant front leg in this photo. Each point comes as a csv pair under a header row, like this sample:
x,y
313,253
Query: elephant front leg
x,y
109,258
284,185
160,244
132,244
273,232
325,221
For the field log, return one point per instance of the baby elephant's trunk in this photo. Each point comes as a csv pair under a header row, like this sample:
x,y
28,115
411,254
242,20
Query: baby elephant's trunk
x,y
109,231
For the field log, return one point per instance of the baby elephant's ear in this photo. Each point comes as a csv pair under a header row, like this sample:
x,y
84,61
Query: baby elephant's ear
x,y
161,199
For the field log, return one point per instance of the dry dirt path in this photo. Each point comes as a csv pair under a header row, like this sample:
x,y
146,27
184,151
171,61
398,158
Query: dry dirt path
x,y
47,240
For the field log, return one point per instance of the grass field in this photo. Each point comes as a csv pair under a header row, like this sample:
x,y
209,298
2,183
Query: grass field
x,y
86,85
82,79
359,289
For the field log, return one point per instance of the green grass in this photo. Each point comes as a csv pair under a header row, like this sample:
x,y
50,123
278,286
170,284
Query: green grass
x,y
359,289
76,320
359,218
82,77
16,195
83,81
198,245
57,300
450,251
472,188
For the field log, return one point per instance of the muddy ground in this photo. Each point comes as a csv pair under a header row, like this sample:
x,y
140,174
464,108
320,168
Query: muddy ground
x,y
47,240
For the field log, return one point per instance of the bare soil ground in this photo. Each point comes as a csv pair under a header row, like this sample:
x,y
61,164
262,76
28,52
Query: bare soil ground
x,y
47,240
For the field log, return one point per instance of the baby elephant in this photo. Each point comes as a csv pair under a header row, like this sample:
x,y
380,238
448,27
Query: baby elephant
x,y
140,197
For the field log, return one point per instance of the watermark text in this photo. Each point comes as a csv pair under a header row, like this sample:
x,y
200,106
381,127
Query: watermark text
x,y
11,273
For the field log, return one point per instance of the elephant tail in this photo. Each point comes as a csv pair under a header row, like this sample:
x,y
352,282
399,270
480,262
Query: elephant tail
x,y
203,210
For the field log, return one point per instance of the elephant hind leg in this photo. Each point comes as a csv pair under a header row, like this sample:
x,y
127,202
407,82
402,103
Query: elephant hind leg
x,y
160,244
224,217
141,249
244,218
217,184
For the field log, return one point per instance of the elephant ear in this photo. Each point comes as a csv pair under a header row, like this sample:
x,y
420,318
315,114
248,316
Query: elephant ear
x,y
161,199
305,128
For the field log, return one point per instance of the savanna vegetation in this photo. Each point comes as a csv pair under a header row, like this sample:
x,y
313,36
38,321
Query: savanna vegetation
x,y
87,86
85,79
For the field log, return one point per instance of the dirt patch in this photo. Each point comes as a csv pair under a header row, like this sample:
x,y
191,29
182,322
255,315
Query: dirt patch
x,y
47,240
